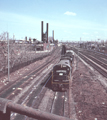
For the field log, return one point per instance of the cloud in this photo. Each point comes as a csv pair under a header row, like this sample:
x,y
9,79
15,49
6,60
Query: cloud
x,y
70,13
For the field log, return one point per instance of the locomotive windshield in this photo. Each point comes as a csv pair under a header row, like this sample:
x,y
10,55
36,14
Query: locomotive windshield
x,y
58,71
61,69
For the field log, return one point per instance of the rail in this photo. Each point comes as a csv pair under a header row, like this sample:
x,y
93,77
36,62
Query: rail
x,y
7,106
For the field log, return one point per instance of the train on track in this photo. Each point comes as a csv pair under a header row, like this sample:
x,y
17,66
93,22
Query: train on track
x,y
61,73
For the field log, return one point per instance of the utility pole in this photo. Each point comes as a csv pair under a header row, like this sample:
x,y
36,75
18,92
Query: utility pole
x,y
8,58
53,35
41,30
78,55
47,33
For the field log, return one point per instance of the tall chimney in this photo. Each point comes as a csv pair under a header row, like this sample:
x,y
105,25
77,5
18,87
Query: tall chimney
x,y
47,33
41,30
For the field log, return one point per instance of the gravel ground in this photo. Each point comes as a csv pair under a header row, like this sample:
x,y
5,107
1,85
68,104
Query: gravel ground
x,y
90,95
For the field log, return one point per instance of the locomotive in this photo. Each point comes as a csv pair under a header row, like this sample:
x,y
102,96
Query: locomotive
x,y
61,73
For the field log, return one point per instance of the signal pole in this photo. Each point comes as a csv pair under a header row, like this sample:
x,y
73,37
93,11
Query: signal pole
x,y
8,58
47,33
53,35
41,30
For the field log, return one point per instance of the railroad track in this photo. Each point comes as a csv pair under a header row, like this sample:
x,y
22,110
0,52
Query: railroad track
x,y
43,98
38,93
35,89
60,104
95,60
9,88
100,58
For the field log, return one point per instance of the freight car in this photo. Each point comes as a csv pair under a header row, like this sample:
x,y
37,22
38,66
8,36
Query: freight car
x,y
61,75
63,50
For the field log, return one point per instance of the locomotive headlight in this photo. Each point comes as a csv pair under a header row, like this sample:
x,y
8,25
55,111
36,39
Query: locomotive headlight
x,y
64,66
60,74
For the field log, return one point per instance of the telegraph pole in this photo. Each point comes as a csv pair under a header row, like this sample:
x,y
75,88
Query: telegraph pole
x,y
41,30
47,33
53,35
78,54
8,58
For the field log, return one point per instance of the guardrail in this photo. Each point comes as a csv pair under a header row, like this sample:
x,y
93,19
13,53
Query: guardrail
x,y
7,106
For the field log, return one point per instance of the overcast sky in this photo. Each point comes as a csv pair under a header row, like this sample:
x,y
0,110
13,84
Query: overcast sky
x,y
70,19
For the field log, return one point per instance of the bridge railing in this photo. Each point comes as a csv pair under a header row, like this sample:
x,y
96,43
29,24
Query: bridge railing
x,y
7,106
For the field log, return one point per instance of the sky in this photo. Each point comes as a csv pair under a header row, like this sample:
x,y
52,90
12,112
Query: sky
x,y
71,20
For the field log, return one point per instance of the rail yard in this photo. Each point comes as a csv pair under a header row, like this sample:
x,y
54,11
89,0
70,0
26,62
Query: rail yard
x,y
53,60
84,99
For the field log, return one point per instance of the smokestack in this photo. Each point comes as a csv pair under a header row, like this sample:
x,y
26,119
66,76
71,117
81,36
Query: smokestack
x,y
47,33
41,30
53,35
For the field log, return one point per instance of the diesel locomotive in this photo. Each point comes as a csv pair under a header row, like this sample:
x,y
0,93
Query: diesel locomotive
x,y
61,73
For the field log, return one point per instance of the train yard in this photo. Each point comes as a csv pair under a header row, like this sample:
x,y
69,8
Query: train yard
x,y
85,99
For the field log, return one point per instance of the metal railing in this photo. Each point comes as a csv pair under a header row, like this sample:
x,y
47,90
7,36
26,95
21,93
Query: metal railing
x,y
7,106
